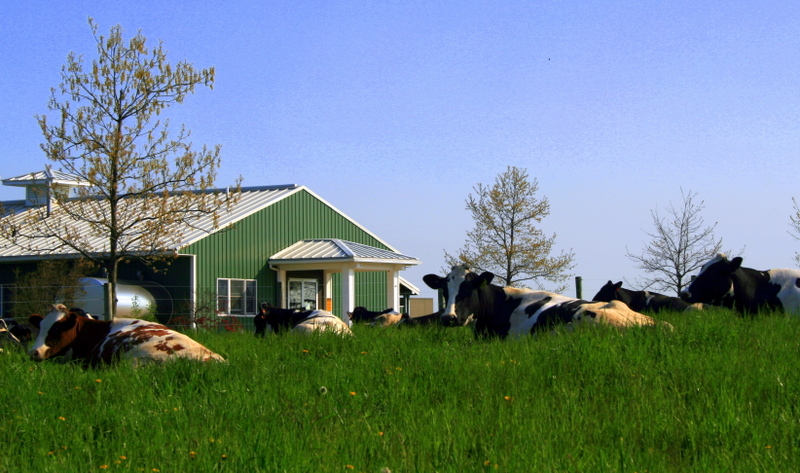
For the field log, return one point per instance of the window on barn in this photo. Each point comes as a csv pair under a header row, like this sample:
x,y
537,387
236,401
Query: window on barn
x,y
302,294
236,296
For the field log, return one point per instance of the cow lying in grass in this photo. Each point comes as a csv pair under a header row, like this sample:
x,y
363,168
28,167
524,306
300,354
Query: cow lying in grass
x,y
383,318
502,311
7,339
63,333
643,300
296,320
727,283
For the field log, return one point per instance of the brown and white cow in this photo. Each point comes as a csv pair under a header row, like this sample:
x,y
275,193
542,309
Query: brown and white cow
x,y
94,342
503,311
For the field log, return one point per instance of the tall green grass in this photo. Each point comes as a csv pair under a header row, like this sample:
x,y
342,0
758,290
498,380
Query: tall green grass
x,y
719,393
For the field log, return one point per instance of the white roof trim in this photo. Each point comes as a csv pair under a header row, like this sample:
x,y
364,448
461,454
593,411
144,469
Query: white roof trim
x,y
414,289
321,250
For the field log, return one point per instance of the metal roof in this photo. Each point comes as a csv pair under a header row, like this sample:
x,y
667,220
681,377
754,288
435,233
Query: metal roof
x,y
42,177
251,200
332,249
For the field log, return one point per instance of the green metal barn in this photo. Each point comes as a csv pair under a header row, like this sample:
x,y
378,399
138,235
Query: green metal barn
x,y
280,244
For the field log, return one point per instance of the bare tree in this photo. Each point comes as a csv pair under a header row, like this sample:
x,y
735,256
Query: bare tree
x,y
505,239
680,245
144,188
795,227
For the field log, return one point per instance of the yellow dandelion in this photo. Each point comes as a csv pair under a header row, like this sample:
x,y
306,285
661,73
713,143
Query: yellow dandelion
x,y
77,387
61,418
39,392
51,452
768,446
380,433
211,440
508,398
117,462
352,393
103,467
486,463
192,454
123,457
363,353
156,469
350,467
305,351
98,380
224,457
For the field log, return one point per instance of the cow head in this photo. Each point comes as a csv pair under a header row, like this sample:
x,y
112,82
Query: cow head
x,y
359,314
460,290
714,282
57,331
609,292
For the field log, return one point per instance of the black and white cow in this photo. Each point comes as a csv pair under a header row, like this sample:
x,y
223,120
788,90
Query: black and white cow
x,y
297,320
22,332
502,311
726,283
643,300
430,319
7,338
382,318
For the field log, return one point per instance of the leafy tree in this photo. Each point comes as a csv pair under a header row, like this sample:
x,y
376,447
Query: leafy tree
x,y
505,239
145,188
52,281
680,245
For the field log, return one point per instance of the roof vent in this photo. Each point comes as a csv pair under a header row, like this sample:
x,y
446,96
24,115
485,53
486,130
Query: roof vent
x,y
39,185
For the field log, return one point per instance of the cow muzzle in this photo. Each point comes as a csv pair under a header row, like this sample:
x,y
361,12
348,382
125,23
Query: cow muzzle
x,y
38,354
448,320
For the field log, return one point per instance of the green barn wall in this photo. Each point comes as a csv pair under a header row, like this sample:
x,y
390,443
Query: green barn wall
x,y
243,251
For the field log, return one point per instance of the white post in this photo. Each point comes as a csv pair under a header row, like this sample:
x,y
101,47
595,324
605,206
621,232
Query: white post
x,y
281,280
393,290
327,292
348,293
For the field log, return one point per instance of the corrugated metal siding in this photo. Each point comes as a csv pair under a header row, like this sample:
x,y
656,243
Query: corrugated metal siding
x,y
244,251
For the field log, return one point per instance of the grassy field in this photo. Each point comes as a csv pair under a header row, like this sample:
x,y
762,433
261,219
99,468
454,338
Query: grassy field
x,y
720,393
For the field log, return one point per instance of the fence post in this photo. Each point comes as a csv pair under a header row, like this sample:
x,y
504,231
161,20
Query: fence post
x,y
579,287
107,305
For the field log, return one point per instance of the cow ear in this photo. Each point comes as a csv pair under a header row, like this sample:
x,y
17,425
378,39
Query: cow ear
x,y
617,285
736,263
35,320
486,277
433,281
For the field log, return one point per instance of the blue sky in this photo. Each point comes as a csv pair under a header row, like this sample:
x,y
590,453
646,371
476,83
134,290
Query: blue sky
x,y
393,111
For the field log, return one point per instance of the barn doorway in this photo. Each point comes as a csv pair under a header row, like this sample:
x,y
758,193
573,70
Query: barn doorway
x,y
302,293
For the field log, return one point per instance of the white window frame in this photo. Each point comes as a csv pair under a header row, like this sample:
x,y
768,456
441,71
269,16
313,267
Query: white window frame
x,y
247,298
